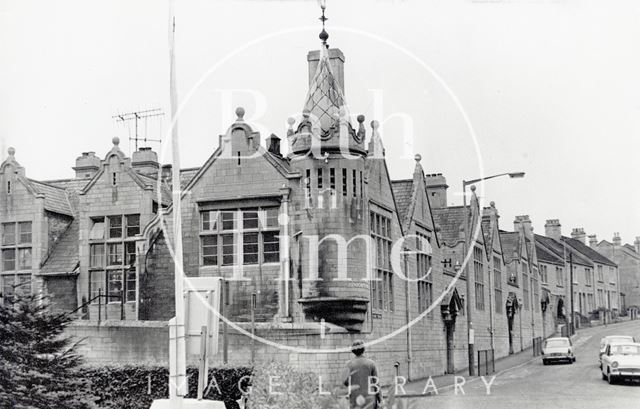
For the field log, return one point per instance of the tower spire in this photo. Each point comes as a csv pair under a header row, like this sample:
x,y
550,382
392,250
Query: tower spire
x,y
324,36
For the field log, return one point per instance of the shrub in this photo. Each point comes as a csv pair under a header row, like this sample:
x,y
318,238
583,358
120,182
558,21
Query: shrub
x,y
136,386
276,385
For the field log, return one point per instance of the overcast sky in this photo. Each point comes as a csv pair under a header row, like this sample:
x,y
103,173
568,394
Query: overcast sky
x,y
551,88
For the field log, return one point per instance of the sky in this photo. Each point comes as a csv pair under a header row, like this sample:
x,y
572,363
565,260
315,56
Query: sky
x,y
477,87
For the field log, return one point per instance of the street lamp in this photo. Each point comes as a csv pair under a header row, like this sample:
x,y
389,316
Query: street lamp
x,y
470,334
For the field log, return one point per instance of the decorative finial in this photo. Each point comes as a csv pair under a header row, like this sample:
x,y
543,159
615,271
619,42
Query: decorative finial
x,y
11,151
492,204
417,157
290,121
361,131
116,141
324,36
240,114
374,124
473,188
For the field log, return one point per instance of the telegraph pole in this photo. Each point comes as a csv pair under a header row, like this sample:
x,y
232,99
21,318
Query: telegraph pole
x,y
573,327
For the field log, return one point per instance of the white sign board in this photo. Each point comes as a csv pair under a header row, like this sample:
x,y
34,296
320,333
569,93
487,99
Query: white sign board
x,y
202,308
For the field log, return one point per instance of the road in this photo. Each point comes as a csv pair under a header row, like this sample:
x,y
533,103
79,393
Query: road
x,y
533,386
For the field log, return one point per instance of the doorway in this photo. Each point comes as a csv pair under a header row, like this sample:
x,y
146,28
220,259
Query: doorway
x,y
450,329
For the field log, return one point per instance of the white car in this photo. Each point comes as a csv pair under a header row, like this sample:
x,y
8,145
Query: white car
x,y
610,339
621,361
557,349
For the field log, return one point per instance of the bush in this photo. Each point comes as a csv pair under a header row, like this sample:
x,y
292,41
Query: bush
x,y
278,386
136,386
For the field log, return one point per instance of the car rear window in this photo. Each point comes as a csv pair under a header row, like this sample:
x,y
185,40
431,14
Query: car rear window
x,y
557,343
619,339
625,350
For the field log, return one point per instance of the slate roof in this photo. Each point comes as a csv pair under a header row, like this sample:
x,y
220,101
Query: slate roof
x,y
587,251
186,175
510,241
403,193
55,198
450,220
64,257
547,256
557,249
165,190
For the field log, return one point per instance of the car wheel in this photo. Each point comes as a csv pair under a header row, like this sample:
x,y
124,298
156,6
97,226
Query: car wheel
x,y
544,362
574,359
611,379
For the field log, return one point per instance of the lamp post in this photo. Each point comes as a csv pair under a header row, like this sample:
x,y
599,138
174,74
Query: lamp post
x,y
466,249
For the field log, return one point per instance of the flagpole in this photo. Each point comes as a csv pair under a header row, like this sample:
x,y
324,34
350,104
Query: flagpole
x,y
180,351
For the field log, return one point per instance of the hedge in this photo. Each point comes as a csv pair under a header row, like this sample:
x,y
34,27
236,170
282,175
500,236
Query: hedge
x,y
136,386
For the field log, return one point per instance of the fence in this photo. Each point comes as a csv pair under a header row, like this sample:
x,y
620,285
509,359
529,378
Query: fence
x,y
486,362
537,346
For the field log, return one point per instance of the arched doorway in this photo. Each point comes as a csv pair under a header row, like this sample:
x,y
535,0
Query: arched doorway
x,y
512,307
449,309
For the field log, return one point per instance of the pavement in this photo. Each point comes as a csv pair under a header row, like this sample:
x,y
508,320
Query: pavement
x,y
521,381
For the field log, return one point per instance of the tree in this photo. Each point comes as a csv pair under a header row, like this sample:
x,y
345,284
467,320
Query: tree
x,y
38,365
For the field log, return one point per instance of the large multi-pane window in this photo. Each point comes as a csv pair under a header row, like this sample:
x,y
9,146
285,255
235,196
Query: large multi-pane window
x,y
112,257
600,273
478,273
239,236
425,281
497,282
16,258
382,288
587,276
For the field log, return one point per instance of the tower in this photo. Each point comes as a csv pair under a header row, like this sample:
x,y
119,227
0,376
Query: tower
x,y
330,155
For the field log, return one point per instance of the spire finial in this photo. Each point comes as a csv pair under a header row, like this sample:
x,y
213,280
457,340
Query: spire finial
x,y
324,36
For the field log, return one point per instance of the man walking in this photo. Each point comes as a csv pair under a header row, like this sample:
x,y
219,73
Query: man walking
x,y
361,377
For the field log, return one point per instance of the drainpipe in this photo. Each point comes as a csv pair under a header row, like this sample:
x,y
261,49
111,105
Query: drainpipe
x,y
408,317
286,259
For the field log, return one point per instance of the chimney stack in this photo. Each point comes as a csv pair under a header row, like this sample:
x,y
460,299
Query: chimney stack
x,y
553,229
593,241
636,244
617,241
437,190
523,223
579,234
87,165
145,161
273,144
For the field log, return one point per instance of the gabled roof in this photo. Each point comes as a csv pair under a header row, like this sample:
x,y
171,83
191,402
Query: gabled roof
x,y
403,194
64,257
559,250
547,256
164,189
450,220
588,252
55,198
511,246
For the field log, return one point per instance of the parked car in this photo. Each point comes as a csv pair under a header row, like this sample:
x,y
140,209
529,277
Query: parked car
x,y
621,361
557,349
612,339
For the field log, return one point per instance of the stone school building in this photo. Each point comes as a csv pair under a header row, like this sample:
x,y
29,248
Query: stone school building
x,y
309,234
